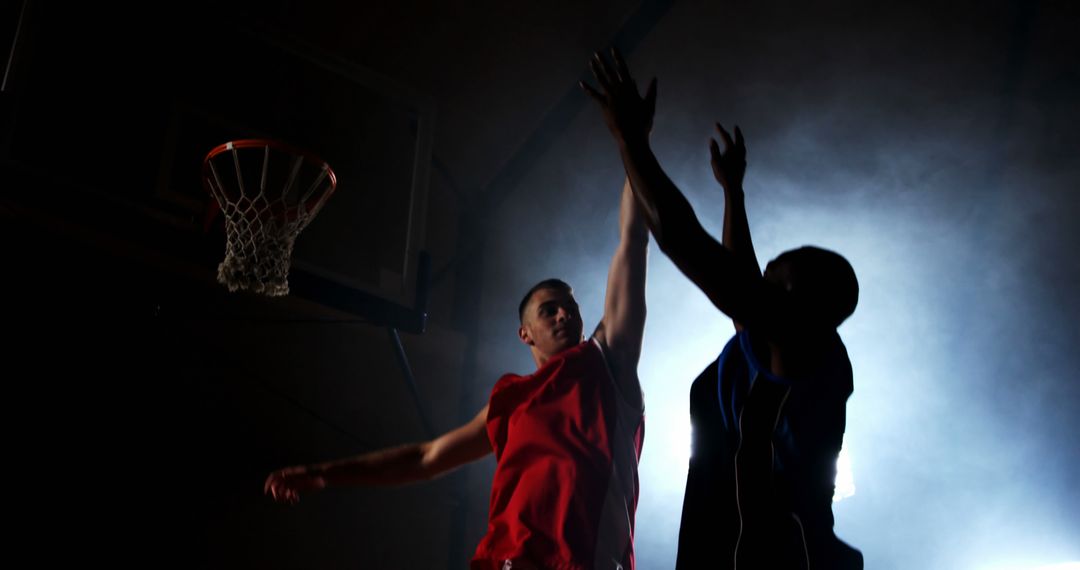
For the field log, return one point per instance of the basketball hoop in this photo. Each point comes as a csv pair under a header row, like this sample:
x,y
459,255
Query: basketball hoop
x,y
268,193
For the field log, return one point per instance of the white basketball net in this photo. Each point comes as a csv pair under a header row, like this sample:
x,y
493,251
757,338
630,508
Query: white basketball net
x,y
261,223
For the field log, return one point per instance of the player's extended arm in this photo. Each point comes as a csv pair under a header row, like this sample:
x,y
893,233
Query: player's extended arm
x,y
731,282
729,168
623,325
391,466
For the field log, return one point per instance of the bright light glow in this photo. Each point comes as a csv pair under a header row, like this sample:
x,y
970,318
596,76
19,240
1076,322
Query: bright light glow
x,y
682,441
1059,566
845,479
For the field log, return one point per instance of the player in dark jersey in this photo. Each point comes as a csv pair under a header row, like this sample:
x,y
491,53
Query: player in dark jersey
x,y
769,415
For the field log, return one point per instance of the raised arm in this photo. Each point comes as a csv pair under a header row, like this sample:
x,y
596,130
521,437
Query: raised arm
x,y
391,466
731,282
623,324
729,167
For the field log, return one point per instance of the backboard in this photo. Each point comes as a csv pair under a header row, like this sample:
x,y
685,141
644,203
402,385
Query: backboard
x,y
138,108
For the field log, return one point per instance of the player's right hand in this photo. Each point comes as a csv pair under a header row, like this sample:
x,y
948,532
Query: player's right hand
x,y
285,485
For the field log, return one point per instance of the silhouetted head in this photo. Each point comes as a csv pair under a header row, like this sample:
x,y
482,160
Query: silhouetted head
x,y
550,319
821,282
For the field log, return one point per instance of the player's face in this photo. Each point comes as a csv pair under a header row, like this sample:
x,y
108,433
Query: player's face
x,y
552,322
779,272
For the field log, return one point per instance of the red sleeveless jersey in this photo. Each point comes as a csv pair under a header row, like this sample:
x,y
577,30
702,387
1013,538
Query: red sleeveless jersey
x,y
567,446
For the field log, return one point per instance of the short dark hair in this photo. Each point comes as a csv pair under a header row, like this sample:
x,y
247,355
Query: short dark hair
x,y
824,282
552,283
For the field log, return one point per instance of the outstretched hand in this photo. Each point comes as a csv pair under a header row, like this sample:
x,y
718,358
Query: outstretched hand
x,y
285,485
729,165
628,115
